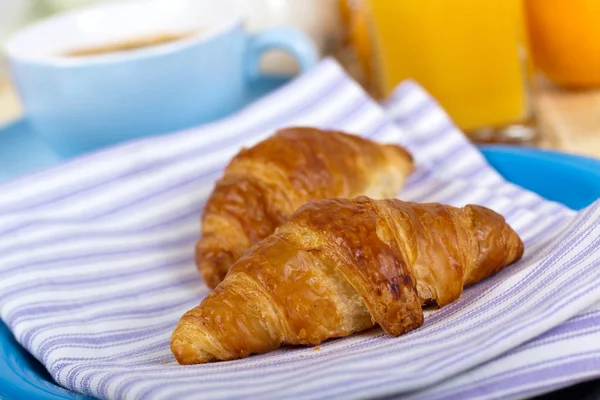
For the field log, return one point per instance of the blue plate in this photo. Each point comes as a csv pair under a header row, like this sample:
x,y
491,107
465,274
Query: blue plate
x,y
566,178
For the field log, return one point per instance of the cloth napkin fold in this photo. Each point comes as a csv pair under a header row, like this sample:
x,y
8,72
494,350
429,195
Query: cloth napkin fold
x,y
560,357
96,265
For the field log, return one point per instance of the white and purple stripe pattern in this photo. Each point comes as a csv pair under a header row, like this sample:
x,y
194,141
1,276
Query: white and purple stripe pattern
x,y
562,356
96,262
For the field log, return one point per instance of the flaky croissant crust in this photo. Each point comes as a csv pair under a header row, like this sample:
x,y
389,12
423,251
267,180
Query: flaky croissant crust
x,y
340,266
263,185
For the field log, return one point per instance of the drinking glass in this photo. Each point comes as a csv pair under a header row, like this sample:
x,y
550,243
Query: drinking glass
x,y
471,55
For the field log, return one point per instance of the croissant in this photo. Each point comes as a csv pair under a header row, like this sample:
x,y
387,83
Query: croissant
x,y
340,266
262,186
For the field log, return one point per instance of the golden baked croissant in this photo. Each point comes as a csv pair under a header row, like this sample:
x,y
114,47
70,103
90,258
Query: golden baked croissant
x,y
340,266
262,186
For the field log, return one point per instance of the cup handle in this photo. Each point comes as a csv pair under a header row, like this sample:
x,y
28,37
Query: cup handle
x,y
292,41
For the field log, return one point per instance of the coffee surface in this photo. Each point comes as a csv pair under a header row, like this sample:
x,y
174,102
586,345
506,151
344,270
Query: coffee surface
x,y
129,44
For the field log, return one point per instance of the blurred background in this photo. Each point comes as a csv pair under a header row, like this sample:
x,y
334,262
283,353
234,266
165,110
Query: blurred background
x,y
507,71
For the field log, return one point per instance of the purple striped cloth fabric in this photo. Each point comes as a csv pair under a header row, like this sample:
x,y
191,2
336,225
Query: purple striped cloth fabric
x,y
96,267
564,355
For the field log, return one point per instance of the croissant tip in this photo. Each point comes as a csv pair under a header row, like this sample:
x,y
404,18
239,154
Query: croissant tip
x,y
187,352
402,153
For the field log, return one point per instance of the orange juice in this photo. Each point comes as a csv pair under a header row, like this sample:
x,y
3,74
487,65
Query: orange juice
x,y
469,54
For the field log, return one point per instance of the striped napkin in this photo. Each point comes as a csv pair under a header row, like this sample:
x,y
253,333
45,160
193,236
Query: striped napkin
x,y
96,267
566,354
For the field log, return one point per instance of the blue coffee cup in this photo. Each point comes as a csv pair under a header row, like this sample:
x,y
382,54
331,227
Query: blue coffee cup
x,y
81,103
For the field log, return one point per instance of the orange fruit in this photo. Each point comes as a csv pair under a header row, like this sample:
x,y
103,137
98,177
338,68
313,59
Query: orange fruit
x,y
565,40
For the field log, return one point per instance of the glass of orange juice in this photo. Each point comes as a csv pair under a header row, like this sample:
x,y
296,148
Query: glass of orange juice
x,y
471,55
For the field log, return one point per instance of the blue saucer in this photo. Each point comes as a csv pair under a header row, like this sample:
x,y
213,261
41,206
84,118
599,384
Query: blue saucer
x,y
22,151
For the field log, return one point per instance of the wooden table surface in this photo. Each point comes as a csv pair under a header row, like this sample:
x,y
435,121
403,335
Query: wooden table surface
x,y
568,121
